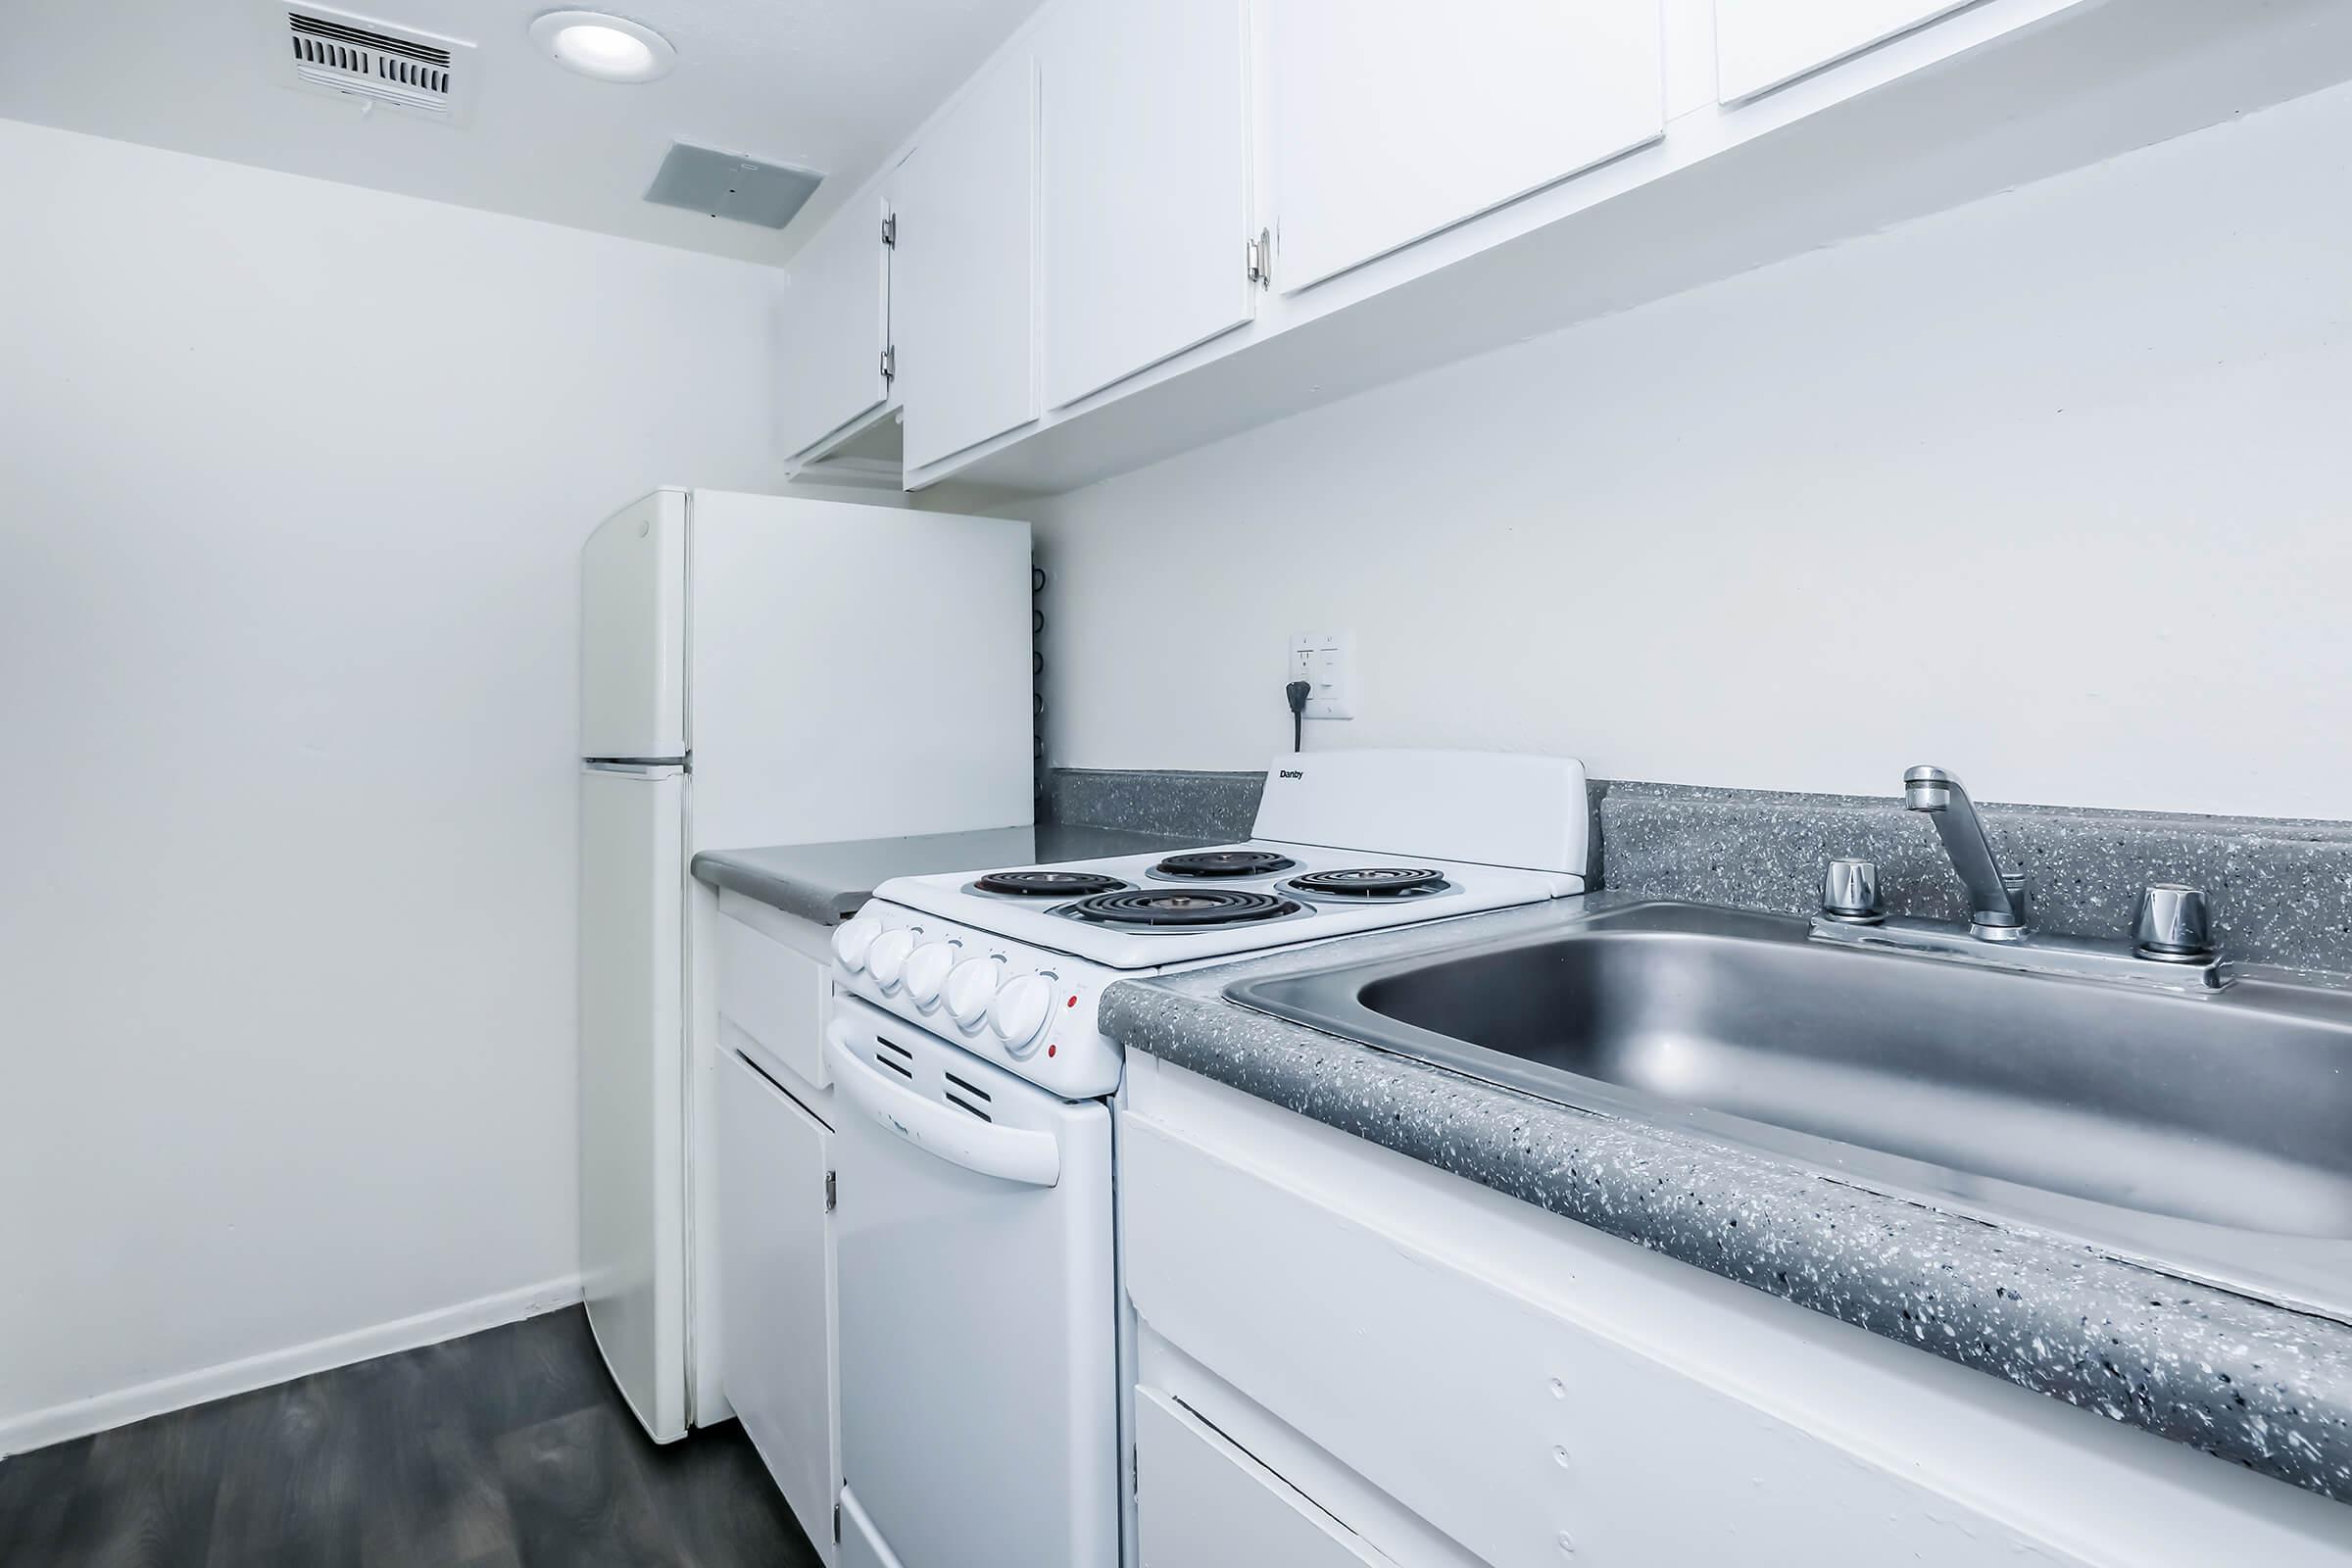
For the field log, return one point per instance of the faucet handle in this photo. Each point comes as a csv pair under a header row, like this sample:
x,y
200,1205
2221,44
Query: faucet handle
x,y
2171,924
1850,892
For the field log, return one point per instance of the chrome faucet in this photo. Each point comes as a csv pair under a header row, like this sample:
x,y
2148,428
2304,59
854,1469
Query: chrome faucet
x,y
2171,946
1996,899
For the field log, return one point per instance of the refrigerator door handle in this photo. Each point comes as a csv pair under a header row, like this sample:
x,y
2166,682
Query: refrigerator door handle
x,y
1008,1154
635,767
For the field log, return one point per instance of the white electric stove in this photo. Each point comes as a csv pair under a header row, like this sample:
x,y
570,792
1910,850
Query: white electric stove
x,y
980,1325
1011,965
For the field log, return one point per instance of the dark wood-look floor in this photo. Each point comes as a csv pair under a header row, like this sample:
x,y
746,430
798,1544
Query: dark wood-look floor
x,y
509,1448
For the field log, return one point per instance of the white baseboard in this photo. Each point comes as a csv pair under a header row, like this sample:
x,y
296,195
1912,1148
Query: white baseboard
x,y
78,1418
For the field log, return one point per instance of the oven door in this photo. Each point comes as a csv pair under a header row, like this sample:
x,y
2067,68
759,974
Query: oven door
x,y
979,1418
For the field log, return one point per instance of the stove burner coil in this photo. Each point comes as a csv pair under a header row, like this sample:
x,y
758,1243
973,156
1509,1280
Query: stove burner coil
x,y
1368,882
1190,907
1224,862
1048,884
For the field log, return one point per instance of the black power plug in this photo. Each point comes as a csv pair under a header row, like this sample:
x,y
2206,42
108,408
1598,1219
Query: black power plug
x,y
1296,692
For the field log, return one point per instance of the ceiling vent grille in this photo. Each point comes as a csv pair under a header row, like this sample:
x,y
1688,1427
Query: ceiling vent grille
x,y
357,56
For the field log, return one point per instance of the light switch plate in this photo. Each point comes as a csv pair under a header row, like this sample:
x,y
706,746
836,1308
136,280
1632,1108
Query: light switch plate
x,y
1326,661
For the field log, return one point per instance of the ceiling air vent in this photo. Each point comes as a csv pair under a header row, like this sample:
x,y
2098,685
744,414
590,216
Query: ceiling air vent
x,y
357,56
730,185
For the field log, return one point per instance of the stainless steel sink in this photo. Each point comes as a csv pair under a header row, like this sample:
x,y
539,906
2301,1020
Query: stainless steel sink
x,y
2209,1134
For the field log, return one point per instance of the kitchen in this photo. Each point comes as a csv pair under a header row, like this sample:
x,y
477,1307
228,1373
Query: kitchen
x,y
1647,432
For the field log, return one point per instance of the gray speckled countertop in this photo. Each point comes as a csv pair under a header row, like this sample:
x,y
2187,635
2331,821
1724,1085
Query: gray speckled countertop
x,y
827,882
2268,1388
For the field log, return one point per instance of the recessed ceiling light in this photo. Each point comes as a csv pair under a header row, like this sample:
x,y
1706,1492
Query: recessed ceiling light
x,y
606,47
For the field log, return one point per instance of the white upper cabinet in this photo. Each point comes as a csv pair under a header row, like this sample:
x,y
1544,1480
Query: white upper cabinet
x,y
1391,119
964,269
837,319
1144,184
1763,44
1076,226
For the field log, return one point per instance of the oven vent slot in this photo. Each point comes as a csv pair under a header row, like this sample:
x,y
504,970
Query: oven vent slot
x,y
966,1106
894,1065
973,1089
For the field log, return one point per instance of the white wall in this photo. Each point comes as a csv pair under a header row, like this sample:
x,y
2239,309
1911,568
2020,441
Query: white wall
x,y
2055,490
295,476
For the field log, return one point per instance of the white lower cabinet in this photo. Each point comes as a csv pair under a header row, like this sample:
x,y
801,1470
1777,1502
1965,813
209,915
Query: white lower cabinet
x,y
776,1284
1510,1430
1202,1502
1456,1376
862,1545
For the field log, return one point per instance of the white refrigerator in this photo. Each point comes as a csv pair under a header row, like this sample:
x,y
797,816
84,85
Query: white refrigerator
x,y
755,669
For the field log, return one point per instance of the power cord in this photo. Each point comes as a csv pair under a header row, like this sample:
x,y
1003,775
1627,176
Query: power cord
x,y
1296,692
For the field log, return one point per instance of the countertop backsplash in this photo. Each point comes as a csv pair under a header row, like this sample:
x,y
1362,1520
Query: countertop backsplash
x,y
2281,890
1219,807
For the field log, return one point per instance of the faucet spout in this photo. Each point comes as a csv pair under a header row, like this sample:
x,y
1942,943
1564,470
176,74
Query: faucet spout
x,y
1997,899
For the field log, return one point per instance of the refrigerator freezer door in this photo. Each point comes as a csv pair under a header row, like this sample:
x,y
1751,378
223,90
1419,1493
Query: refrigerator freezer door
x,y
633,632
632,1084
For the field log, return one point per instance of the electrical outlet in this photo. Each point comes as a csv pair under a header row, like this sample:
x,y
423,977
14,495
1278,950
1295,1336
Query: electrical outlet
x,y
1326,661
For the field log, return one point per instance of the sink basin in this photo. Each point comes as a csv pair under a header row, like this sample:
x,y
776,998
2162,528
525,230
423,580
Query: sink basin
x,y
2204,1133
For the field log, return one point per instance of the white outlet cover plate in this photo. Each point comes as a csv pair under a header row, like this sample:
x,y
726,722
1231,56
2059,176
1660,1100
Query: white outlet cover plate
x,y
1326,661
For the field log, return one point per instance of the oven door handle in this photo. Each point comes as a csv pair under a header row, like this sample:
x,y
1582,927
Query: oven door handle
x,y
1008,1154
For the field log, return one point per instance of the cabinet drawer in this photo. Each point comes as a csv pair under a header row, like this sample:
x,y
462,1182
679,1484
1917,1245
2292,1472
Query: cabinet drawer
x,y
1484,1404
1202,1503
775,995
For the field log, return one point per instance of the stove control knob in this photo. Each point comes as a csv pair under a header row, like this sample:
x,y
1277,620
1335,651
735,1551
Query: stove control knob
x,y
886,959
927,969
971,987
852,939
1019,1014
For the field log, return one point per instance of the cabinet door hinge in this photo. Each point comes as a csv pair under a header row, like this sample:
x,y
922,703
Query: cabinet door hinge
x,y
890,362
1258,254
832,1192
890,231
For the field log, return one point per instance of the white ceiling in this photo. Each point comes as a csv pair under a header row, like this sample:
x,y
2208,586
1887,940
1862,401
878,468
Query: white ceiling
x,y
833,85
